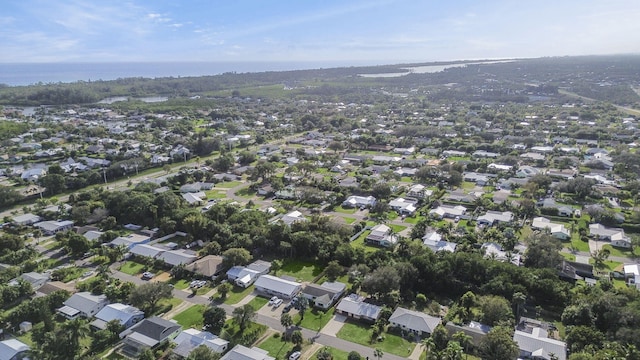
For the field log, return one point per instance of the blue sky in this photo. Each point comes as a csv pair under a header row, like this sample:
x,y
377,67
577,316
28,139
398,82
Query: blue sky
x,y
343,31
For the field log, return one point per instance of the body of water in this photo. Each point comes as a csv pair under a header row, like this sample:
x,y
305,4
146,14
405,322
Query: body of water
x,y
427,69
34,73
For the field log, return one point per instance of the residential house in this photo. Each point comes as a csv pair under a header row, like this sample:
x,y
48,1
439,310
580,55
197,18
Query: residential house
x,y
484,154
324,295
209,266
559,231
434,241
615,236
537,345
83,304
526,171
477,178
448,211
54,227
242,276
353,306
292,217
146,250
92,235
494,251
573,271
130,240
381,235
190,339
272,285
194,199
416,322
35,279
26,219
403,206
13,349
632,275
33,174
359,201
475,330
178,257
148,334
492,217
240,352
419,191
460,196
126,315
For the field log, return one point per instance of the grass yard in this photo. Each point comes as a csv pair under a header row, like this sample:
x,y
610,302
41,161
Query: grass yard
x,y
343,210
397,228
191,317
413,220
179,284
258,302
216,194
614,251
236,294
314,319
228,184
301,270
231,332
337,354
567,256
349,220
360,334
360,242
277,347
131,268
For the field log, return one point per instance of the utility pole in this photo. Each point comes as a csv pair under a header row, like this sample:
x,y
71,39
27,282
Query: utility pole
x,y
104,174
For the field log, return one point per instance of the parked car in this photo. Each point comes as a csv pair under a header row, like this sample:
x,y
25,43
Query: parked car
x,y
277,303
197,284
273,300
147,275
287,308
295,355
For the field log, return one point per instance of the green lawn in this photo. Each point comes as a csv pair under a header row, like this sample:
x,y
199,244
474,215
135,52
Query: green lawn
x,y
568,256
349,220
228,184
179,284
413,220
236,294
231,332
191,317
397,228
314,319
258,302
336,353
216,194
277,347
301,270
343,210
360,242
131,268
361,334
614,251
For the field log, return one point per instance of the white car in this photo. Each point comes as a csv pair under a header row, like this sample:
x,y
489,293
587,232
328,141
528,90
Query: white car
x,y
273,300
277,303
295,355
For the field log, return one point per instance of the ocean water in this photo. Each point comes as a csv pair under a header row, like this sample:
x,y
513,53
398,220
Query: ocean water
x,y
32,73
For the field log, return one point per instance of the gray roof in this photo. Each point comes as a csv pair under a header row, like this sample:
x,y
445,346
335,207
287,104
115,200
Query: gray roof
x,y
240,352
414,320
12,347
191,338
118,311
85,301
539,345
359,308
207,266
151,331
277,284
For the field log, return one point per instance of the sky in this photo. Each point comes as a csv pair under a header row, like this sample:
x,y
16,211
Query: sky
x,y
333,31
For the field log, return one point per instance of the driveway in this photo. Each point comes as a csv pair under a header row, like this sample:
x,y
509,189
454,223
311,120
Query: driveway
x,y
334,325
271,312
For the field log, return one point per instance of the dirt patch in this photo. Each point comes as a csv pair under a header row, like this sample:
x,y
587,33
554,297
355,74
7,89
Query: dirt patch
x,y
162,277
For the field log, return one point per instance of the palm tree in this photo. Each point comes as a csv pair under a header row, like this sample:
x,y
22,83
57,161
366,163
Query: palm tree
x,y
518,300
463,339
76,329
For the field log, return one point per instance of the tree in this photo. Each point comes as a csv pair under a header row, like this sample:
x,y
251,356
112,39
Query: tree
x,y
463,339
499,344
297,338
599,257
335,146
440,337
236,256
324,354
354,355
147,354
276,265
518,300
243,315
77,244
203,352
579,337
303,305
54,183
495,309
75,330
223,290
286,320
214,318
382,281
543,251
147,296
333,270
246,157
453,351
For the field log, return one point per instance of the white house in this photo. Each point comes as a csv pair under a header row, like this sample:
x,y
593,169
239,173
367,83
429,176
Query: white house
x,y
126,315
190,339
495,217
359,201
353,306
54,227
83,304
419,191
324,295
13,349
559,231
536,345
434,241
178,257
240,352
494,251
615,236
292,217
448,211
381,236
272,285
403,206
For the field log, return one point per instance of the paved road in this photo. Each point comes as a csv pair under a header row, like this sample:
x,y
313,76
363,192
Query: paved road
x,y
271,322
